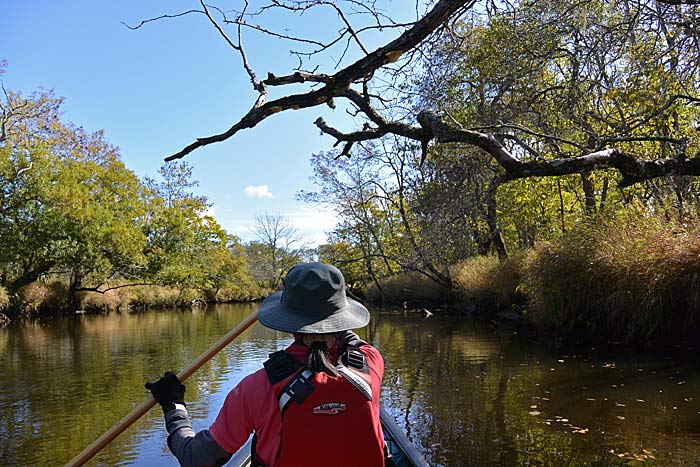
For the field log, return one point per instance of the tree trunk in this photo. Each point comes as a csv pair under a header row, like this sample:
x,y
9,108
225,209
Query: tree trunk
x,y
492,221
589,192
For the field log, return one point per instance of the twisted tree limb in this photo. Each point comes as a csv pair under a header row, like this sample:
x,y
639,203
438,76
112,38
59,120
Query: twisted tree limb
x,y
431,127
335,85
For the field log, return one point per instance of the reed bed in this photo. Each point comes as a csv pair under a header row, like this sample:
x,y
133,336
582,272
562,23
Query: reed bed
x,y
630,279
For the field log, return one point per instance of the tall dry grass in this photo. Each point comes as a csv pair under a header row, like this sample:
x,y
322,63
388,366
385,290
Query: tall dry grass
x,y
4,299
490,284
42,298
414,288
635,278
55,298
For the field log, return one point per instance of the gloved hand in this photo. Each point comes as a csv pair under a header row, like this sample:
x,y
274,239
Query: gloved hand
x,y
167,391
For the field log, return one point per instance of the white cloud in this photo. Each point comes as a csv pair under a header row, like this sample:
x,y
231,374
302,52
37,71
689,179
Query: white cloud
x,y
260,191
313,222
209,212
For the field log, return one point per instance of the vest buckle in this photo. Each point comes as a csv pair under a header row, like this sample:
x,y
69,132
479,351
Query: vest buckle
x,y
354,359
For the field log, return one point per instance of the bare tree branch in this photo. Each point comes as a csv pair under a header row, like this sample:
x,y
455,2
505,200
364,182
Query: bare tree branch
x,y
342,79
633,170
592,153
150,20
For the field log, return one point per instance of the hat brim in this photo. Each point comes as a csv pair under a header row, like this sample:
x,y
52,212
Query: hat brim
x,y
275,315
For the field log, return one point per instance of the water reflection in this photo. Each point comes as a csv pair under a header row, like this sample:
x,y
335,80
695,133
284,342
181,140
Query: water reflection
x,y
464,395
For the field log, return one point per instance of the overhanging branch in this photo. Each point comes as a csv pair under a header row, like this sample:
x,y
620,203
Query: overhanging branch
x,y
633,170
336,85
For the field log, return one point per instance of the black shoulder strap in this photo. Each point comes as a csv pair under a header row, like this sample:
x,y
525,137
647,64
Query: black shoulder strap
x,y
280,366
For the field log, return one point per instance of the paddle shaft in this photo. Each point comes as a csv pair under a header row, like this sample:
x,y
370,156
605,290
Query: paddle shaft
x,y
97,445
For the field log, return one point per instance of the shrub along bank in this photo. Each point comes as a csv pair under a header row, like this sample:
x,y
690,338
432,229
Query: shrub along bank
x,y
633,279
51,298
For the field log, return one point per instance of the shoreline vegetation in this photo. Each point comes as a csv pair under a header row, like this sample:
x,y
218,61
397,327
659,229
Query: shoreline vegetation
x,y
634,279
54,298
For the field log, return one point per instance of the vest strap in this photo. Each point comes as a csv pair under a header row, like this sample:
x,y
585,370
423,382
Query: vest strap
x,y
356,380
280,366
297,390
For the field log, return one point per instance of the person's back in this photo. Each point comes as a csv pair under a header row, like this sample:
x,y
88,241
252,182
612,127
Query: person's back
x,y
314,404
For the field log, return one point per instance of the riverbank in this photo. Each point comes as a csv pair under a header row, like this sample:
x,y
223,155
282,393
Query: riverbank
x,y
634,280
55,298
631,279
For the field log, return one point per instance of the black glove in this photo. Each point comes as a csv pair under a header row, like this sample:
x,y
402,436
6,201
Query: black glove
x,y
167,391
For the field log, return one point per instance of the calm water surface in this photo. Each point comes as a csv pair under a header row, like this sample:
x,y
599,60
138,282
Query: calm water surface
x,y
464,395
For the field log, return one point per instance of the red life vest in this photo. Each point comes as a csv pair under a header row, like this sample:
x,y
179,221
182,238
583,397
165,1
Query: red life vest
x,y
328,421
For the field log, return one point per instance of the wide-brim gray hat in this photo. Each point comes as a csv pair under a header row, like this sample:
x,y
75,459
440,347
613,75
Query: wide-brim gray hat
x,y
313,302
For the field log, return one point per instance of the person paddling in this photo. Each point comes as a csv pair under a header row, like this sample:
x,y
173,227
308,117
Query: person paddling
x,y
313,404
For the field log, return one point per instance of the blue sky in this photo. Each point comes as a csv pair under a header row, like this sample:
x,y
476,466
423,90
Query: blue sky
x,y
155,89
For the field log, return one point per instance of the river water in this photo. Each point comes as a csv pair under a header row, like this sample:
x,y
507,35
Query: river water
x,y
466,396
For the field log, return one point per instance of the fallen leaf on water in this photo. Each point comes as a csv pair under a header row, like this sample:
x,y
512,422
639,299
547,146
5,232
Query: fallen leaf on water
x,y
620,417
617,404
535,412
640,400
589,399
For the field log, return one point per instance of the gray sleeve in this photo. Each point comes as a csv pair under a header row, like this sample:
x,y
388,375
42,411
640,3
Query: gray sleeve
x,y
192,449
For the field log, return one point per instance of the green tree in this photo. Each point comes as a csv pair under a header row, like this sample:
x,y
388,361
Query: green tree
x,y
70,209
186,247
69,205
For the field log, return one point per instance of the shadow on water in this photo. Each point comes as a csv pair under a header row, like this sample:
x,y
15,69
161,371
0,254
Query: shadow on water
x,y
466,396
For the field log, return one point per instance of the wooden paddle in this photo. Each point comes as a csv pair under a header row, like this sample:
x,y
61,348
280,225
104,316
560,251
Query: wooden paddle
x,y
87,453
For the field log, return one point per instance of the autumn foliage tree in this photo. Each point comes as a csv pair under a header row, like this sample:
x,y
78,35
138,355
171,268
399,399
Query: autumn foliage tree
x,y
71,211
